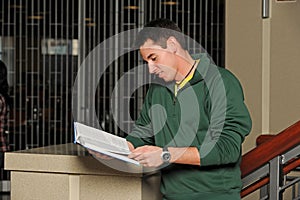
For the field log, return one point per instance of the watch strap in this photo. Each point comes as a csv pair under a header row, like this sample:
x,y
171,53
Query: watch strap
x,y
165,149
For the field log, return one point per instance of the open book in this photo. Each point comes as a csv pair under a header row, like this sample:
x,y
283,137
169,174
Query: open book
x,y
102,142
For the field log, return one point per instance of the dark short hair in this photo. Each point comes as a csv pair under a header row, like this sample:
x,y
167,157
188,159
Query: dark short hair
x,y
159,31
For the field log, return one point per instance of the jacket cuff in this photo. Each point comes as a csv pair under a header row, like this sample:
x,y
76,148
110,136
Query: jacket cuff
x,y
136,142
208,156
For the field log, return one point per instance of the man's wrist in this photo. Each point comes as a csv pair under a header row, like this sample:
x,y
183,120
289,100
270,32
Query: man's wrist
x,y
165,155
184,155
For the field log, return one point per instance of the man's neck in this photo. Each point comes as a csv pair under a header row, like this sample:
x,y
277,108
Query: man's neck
x,y
186,62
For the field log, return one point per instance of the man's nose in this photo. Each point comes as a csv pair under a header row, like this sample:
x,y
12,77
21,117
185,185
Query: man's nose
x,y
151,68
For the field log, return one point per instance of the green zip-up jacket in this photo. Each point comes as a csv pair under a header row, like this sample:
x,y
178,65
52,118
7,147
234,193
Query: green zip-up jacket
x,y
208,113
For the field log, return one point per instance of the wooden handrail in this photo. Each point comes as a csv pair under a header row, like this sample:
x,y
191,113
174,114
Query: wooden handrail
x,y
268,150
264,138
261,182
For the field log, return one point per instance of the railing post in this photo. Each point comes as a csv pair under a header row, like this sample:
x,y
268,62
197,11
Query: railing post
x,y
298,195
264,191
276,179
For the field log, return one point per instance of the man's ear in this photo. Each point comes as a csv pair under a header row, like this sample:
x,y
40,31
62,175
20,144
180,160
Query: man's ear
x,y
172,44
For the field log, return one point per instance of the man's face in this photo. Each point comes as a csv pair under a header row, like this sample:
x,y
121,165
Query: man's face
x,y
161,62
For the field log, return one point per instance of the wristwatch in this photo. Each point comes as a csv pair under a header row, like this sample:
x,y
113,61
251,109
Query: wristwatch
x,y
166,156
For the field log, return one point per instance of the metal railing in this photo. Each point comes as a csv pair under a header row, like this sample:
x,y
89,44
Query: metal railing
x,y
267,167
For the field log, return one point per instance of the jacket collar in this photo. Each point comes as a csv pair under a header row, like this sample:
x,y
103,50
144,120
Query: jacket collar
x,y
200,72
202,67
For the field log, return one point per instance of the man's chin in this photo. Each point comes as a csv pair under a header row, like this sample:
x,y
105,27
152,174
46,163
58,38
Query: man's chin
x,y
166,80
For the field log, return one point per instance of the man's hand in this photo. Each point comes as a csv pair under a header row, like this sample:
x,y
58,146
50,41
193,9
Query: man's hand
x,y
148,156
99,155
105,157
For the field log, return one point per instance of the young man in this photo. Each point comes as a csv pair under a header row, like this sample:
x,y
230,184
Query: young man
x,y
192,126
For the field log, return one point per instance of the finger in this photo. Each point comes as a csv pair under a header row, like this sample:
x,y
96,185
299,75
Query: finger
x,y
91,151
102,156
106,157
134,155
143,162
141,149
99,155
139,157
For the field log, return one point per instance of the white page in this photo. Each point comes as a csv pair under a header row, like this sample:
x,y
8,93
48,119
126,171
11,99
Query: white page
x,y
88,135
114,155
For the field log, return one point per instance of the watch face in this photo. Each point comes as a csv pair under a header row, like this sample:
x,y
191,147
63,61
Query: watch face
x,y
166,156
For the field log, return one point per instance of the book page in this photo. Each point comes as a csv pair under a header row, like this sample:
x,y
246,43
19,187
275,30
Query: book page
x,y
118,156
88,135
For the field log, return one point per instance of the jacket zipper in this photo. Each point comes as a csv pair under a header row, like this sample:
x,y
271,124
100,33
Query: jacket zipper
x,y
174,97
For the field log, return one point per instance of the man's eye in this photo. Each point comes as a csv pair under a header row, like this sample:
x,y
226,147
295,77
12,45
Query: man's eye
x,y
153,59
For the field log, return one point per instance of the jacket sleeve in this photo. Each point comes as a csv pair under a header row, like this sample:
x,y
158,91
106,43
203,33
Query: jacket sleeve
x,y
142,133
230,122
